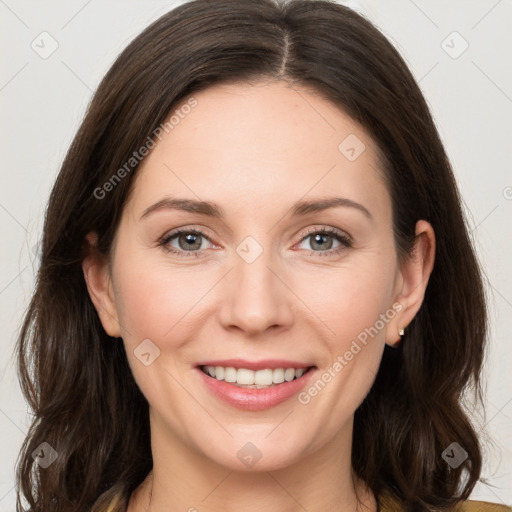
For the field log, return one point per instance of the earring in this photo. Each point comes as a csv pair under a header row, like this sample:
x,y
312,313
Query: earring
x,y
397,343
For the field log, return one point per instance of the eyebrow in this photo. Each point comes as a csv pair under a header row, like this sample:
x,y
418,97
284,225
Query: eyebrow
x,y
213,210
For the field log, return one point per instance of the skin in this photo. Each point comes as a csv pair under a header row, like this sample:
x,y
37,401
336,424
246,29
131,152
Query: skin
x,y
255,150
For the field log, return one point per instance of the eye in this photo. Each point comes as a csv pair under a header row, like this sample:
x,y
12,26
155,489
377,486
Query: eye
x,y
190,242
187,242
323,240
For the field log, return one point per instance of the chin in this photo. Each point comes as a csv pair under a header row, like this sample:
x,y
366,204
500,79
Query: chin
x,y
253,453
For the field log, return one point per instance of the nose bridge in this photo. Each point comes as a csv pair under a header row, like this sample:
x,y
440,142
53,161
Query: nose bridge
x,y
256,299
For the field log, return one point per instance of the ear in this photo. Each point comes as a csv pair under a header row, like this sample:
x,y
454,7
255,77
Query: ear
x,y
413,279
99,284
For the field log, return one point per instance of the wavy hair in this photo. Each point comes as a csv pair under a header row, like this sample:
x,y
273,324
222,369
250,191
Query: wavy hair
x,y
76,379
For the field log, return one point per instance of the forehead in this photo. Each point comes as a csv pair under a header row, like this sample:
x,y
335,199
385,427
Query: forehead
x,y
259,145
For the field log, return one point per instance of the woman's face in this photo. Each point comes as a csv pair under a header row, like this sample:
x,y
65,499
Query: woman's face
x,y
292,264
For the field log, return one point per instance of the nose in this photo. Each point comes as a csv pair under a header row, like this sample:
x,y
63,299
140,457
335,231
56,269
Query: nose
x,y
255,297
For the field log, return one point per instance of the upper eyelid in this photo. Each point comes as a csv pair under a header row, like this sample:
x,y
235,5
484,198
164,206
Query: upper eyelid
x,y
329,230
173,232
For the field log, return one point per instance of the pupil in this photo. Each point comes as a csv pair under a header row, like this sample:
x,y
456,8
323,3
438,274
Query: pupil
x,y
320,240
191,241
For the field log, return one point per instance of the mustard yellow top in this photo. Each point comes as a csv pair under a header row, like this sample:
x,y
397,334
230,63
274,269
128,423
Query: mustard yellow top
x,y
387,504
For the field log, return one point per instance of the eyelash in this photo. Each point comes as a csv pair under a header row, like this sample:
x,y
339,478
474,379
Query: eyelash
x,y
345,241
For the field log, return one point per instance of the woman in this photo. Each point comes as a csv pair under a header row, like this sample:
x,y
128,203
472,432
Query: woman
x,y
256,287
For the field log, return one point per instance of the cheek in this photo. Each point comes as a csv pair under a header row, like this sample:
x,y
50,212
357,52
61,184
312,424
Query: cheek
x,y
348,300
154,301
347,303
159,304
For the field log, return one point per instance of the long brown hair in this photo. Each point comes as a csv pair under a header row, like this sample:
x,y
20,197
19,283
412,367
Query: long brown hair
x,y
76,378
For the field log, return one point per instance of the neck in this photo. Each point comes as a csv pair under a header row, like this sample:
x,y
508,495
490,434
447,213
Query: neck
x,y
184,480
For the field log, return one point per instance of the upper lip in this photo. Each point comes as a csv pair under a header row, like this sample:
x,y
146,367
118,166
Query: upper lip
x,y
256,365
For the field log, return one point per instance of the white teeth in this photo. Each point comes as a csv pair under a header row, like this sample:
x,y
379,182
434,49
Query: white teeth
x,y
230,374
278,376
263,377
254,379
244,376
289,374
218,372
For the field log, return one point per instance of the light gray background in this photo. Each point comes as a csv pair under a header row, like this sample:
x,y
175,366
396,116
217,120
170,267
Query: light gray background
x,y
43,100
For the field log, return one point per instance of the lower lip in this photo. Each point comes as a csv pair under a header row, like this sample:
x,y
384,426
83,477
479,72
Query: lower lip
x,y
254,399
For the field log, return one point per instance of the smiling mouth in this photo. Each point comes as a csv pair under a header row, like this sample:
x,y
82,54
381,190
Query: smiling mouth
x,y
259,379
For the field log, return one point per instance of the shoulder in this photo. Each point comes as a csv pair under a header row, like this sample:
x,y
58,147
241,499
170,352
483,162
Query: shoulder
x,y
482,506
388,504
